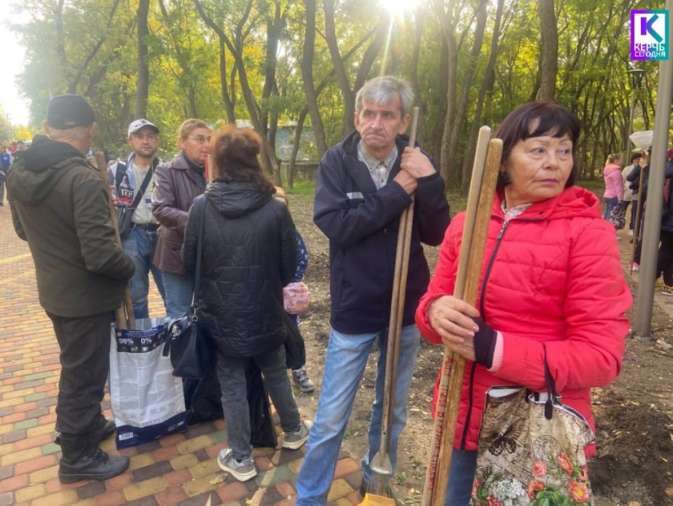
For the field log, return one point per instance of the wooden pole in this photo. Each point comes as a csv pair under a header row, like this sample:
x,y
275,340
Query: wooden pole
x,y
403,249
124,317
381,464
475,233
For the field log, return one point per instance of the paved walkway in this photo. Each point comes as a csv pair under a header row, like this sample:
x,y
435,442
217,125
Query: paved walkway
x,y
178,469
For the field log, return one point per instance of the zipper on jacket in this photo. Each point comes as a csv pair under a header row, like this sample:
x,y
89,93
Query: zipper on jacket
x,y
487,274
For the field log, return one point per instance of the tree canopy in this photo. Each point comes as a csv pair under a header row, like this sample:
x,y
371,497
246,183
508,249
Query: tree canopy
x,y
272,63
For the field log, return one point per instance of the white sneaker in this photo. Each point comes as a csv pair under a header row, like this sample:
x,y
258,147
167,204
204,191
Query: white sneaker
x,y
242,470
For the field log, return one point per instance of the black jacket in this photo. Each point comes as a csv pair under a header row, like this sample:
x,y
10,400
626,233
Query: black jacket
x,y
60,205
667,204
249,254
361,223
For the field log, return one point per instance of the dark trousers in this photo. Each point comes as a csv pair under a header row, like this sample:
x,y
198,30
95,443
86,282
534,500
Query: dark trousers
x,y
463,468
85,363
231,374
665,258
634,211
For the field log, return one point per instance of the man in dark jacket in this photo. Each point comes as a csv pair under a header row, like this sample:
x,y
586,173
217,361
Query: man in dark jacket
x,y
60,205
364,185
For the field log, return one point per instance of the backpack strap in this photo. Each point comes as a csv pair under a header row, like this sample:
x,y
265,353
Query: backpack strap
x,y
120,172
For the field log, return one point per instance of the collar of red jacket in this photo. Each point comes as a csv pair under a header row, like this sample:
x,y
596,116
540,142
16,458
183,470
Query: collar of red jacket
x,y
573,202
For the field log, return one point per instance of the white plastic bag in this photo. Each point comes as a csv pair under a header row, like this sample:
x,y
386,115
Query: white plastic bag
x,y
147,400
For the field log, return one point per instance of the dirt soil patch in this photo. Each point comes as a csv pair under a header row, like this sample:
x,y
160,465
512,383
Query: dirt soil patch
x,y
634,415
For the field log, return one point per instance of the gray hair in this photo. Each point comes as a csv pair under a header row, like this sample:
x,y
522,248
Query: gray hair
x,y
382,90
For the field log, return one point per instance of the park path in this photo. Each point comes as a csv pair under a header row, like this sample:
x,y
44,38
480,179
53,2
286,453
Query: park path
x,y
178,469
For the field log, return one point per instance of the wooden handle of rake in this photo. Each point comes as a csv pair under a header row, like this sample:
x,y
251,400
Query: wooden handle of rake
x,y
402,254
475,233
124,318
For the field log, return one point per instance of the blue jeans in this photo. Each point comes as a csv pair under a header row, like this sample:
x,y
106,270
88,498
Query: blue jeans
x,y
139,245
610,204
344,366
178,292
459,488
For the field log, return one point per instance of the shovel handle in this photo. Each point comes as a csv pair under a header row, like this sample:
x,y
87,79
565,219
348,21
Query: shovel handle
x,y
124,317
397,306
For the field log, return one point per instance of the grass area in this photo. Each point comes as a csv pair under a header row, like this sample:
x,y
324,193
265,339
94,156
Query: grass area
x,y
457,200
302,187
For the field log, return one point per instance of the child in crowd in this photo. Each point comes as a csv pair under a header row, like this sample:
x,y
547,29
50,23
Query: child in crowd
x,y
296,298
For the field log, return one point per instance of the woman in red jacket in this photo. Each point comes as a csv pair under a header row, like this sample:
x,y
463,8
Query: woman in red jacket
x,y
551,284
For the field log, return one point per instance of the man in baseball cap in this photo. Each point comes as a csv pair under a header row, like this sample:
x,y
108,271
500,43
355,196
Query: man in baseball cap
x,y
132,183
60,206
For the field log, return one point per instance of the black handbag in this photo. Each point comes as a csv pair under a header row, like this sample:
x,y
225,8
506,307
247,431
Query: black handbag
x,y
295,349
190,348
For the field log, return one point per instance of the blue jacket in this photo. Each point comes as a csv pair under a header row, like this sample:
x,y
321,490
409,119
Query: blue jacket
x,y
361,224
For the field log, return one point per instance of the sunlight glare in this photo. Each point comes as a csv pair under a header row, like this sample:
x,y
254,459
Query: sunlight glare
x,y
399,7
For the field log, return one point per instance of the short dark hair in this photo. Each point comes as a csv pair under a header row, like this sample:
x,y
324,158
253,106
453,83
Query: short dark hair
x,y
636,156
534,119
234,151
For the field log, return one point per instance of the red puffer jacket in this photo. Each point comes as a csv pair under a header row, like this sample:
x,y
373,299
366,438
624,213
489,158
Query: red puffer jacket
x,y
555,282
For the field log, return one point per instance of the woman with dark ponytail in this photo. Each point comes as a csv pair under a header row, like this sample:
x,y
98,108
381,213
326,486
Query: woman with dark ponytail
x,y
249,254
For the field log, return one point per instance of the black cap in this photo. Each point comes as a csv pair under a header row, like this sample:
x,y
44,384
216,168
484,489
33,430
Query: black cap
x,y
69,111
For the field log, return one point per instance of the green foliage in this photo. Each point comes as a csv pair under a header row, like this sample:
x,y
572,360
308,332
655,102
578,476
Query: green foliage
x,y
96,55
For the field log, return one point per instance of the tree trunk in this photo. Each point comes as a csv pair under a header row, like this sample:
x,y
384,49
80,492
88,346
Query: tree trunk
x,y
549,50
224,87
449,32
79,72
228,98
295,148
485,89
271,139
273,29
461,109
370,54
339,68
443,66
143,84
416,52
60,38
307,74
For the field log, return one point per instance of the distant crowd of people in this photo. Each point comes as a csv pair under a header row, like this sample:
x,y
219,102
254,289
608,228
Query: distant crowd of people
x,y
7,154
623,189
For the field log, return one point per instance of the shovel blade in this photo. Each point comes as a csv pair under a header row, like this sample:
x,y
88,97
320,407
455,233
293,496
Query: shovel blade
x,y
381,464
377,500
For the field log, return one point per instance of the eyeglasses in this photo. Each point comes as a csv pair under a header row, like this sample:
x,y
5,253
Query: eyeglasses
x,y
201,139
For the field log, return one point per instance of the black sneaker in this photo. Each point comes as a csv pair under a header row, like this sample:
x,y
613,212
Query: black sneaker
x,y
300,377
97,466
295,440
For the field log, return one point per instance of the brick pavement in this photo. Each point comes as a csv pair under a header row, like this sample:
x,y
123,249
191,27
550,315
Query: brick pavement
x,y
178,469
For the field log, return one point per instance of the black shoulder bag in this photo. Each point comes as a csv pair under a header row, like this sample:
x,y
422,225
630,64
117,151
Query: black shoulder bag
x,y
190,347
124,213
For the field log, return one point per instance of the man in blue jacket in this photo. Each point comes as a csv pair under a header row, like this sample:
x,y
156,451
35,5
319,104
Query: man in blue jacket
x,y
364,185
